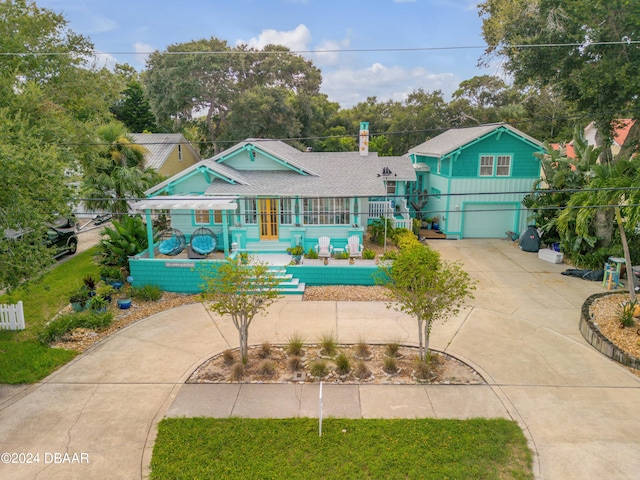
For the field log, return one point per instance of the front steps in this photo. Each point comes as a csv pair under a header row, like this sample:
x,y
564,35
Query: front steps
x,y
289,285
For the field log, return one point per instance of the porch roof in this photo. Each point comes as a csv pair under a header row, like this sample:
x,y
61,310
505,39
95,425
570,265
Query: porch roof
x,y
186,203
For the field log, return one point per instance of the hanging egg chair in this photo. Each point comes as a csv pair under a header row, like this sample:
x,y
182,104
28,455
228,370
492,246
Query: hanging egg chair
x,y
203,241
172,242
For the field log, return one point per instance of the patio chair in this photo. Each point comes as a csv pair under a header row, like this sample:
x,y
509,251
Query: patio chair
x,y
172,242
324,247
203,241
354,247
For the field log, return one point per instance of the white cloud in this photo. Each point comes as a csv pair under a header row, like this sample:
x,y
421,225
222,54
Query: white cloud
x,y
296,40
142,52
331,55
348,86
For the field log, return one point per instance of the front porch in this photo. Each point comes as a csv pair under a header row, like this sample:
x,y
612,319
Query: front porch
x,y
183,275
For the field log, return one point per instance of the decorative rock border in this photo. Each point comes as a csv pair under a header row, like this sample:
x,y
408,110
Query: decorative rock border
x,y
592,334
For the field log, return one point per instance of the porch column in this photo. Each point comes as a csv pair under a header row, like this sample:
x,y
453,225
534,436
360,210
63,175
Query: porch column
x,y
225,232
147,214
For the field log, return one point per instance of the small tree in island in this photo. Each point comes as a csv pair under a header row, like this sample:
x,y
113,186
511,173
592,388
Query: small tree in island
x,y
427,288
241,291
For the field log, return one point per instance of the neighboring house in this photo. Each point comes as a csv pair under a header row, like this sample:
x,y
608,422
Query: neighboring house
x,y
264,195
620,134
167,153
476,179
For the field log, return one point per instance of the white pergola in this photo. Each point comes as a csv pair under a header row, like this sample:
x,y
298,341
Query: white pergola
x,y
185,203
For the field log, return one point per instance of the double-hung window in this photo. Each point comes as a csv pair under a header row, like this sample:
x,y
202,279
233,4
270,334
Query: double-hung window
x,y
495,165
503,168
486,166
202,217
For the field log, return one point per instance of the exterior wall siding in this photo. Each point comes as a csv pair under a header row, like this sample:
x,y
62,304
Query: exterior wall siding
x,y
243,160
454,224
173,164
523,163
184,276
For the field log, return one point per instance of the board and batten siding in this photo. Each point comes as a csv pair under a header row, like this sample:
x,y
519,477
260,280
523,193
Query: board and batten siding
x,y
476,190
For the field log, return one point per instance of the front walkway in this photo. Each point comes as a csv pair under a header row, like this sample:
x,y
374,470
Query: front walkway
x,y
576,407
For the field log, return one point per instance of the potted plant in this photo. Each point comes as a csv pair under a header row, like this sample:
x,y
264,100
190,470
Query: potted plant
x,y
244,258
105,291
435,225
79,298
296,252
98,304
89,282
111,275
124,298
427,223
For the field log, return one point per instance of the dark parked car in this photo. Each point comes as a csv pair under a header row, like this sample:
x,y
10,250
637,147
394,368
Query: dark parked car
x,y
61,236
64,240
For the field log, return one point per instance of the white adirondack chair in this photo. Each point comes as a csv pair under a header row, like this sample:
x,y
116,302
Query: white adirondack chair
x,y
354,247
324,247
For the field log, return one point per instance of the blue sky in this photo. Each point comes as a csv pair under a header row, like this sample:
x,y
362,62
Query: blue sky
x,y
121,28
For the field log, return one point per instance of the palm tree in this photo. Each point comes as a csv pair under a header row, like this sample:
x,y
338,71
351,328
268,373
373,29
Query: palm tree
x,y
611,188
118,172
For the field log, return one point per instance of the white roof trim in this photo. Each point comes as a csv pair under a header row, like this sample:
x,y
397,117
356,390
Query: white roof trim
x,y
185,203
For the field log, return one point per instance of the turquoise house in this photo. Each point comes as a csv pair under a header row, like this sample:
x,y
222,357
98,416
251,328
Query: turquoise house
x,y
263,196
476,178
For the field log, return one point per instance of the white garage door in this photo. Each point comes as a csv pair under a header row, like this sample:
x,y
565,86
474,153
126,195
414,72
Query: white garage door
x,y
488,220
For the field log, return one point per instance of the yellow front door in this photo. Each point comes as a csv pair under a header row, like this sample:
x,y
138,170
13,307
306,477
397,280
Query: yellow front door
x,y
268,208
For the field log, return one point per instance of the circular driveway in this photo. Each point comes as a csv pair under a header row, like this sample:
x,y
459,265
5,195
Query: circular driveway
x,y
520,332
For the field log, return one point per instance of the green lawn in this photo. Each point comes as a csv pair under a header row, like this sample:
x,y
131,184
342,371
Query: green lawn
x,y
22,358
290,448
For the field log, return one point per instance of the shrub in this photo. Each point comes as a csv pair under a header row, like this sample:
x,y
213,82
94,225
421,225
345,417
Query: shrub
x,y
404,239
390,365
319,368
368,254
362,349
295,363
626,317
329,344
421,370
228,357
392,349
265,350
312,254
343,364
362,370
267,368
148,293
81,295
63,324
295,345
237,372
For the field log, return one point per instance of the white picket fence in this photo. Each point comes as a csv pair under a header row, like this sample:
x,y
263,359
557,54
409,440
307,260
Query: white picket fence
x,y
12,317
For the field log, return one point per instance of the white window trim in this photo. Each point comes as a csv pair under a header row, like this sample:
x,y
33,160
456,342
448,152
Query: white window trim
x,y
481,166
498,166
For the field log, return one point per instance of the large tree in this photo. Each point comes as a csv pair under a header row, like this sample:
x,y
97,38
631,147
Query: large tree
x,y
208,77
241,291
583,47
134,110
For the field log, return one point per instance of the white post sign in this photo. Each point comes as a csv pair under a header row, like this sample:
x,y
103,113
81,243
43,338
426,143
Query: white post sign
x,y
320,424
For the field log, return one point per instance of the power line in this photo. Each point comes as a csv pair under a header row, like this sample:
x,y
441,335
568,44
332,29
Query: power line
x,y
336,50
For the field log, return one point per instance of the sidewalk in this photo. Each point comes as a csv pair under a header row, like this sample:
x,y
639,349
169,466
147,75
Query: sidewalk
x,y
575,406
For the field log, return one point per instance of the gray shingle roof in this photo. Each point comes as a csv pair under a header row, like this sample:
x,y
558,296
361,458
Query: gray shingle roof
x,y
455,138
331,173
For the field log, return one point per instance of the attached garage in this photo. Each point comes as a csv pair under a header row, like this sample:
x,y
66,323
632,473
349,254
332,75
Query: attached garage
x,y
489,220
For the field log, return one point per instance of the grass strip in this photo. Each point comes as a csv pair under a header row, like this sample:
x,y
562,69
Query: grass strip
x,y
291,448
23,359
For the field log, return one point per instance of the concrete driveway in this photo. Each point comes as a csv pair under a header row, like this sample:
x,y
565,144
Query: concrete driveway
x,y
576,407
